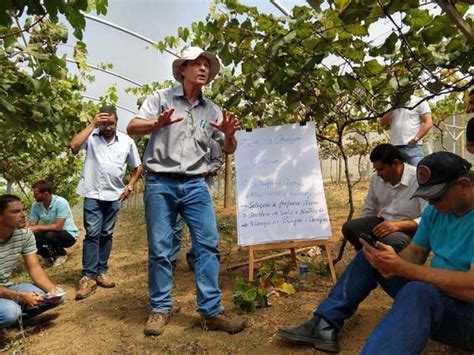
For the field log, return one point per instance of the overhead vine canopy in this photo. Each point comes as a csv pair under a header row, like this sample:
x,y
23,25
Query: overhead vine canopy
x,y
321,59
40,103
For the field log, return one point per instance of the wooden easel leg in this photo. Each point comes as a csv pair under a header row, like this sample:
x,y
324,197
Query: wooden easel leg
x,y
331,265
293,257
251,264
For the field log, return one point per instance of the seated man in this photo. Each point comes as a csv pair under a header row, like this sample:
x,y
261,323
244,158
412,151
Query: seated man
x,y
389,214
22,300
434,301
52,223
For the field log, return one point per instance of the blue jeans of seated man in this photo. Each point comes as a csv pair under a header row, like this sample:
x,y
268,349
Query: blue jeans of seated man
x,y
413,153
403,320
99,222
421,311
165,196
11,312
177,238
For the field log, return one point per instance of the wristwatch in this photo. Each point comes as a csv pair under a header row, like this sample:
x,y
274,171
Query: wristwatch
x,y
130,188
416,139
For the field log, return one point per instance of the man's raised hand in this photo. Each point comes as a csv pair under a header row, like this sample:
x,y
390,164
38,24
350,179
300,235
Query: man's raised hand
x,y
165,119
100,118
229,124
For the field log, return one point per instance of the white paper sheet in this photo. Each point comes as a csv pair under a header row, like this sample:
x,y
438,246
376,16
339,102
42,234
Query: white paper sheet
x,y
280,195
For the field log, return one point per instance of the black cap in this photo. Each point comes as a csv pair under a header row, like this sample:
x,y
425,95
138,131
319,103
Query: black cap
x,y
435,171
470,130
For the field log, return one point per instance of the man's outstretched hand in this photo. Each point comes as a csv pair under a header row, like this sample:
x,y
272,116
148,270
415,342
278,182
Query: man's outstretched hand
x,y
165,119
229,124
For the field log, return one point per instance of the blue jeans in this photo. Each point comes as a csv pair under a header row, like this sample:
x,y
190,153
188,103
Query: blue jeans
x,y
444,318
422,311
412,153
99,222
177,237
165,196
11,312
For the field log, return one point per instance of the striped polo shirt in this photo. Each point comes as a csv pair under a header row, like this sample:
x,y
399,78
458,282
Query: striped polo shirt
x,y
22,242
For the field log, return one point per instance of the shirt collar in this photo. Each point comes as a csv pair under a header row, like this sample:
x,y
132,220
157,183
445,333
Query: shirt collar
x,y
53,201
179,91
406,176
96,132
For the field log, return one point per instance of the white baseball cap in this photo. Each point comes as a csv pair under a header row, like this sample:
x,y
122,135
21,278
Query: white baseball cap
x,y
192,53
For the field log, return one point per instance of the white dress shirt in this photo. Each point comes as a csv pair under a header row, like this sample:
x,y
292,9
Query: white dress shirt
x,y
393,202
105,165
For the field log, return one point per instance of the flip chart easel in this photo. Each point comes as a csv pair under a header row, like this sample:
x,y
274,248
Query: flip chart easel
x,y
280,196
324,244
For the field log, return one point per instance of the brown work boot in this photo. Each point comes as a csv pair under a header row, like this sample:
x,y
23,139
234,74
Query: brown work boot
x,y
86,287
103,280
155,325
224,323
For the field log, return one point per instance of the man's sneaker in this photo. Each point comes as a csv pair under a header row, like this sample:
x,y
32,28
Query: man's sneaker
x,y
155,325
86,287
103,280
224,323
59,260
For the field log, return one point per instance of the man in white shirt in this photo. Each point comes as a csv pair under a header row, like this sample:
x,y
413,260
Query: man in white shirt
x,y
108,152
408,127
389,215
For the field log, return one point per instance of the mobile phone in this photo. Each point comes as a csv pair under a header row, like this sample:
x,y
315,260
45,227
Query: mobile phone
x,y
50,297
368,238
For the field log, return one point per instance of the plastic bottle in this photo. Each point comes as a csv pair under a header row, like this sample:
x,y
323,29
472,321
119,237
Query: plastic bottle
x,y
303,266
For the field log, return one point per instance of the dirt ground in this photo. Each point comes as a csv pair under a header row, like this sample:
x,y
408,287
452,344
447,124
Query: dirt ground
x,y
112,320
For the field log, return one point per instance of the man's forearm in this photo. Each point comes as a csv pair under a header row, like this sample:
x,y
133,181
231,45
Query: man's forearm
x,y
135,175
80,138
407,225
140,127
45,228
230,144
5,292
425,127
41,279
386,119
456,284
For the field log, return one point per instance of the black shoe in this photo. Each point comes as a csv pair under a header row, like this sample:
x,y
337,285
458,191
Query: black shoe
x,y
316,332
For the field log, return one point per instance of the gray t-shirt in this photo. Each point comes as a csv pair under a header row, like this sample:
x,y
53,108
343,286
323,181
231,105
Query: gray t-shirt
x,y
22,242
180,148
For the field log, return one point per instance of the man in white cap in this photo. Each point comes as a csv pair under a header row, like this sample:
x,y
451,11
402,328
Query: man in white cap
x,y
182,121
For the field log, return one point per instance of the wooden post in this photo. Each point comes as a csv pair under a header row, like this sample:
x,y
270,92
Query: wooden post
x,y
228,181
293,257
251,264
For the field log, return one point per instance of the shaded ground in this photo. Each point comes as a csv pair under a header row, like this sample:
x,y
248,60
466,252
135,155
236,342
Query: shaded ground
x,y
112,320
